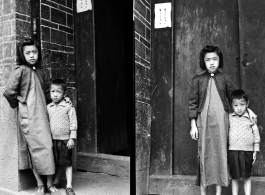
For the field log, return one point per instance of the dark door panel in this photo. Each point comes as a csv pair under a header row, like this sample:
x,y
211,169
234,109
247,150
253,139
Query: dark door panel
x,y
252,46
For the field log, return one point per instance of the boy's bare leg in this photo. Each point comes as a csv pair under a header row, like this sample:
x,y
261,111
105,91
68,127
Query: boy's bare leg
x,y
38,178
203,190
247,186
235,186
69,175
58,174
218,189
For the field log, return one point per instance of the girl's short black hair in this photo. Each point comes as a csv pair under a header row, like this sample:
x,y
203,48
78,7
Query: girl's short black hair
x,y
239,94
59,82
27,42
210,49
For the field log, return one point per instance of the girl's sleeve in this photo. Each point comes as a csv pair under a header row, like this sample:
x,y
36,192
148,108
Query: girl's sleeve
x,y
11,90
194,99
230,87
46,86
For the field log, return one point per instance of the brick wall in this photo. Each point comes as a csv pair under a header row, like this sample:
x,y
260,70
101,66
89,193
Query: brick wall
x,y
142,19
57,40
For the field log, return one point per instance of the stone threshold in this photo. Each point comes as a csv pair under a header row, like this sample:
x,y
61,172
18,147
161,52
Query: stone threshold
x,y
103,163
182,184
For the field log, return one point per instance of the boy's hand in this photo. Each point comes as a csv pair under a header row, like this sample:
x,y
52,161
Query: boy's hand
x,y
70,144
254,157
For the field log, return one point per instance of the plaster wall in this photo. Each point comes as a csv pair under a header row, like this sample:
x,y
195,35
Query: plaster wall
x,y
8,126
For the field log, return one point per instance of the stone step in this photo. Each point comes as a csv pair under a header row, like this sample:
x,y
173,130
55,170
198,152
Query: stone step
x,y
184,185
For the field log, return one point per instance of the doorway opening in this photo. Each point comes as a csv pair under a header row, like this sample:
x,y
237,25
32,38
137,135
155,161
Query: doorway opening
x,y
112,127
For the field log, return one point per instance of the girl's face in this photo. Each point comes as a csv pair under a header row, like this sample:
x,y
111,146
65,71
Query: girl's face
x,y
57,93
31,54
211,61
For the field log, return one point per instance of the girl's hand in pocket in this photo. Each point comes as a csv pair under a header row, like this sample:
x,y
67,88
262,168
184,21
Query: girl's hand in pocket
x,y
194,133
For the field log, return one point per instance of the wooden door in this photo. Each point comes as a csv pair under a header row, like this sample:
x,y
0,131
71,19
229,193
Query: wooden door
x,y
198,23
252,48
86,84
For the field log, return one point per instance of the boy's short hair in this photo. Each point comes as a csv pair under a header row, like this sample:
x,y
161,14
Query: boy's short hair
x,y
211,49
239,94
59,82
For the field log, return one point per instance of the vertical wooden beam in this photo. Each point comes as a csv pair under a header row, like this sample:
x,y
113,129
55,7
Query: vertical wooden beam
x,y
241,45
161,98
35,20
86,81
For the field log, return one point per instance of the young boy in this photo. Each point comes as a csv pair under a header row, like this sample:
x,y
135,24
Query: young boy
x,y
63,124
244,142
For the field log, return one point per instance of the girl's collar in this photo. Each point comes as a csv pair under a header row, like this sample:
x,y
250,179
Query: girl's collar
x,y
33,67
208,73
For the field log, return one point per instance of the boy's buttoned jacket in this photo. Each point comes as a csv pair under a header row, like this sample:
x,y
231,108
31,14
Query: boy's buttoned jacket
x,y
198,92
18,84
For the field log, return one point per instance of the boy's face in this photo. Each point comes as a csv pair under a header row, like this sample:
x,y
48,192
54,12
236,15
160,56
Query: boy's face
x,y
57,93
239,106
30,53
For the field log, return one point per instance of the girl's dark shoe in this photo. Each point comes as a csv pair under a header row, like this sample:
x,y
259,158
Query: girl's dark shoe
x,y
57,185
40,190
53,190
69,191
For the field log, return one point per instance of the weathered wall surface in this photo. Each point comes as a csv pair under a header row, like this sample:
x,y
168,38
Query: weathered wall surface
x,y
8,130
142,19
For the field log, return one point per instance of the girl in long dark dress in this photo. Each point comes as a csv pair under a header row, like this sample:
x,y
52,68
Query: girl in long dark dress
x,y
25,90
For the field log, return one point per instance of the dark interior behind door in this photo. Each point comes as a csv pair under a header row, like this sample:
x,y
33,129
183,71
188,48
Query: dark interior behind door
x,y
112,131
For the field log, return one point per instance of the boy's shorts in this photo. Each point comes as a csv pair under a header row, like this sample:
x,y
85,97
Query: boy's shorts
x,y
62,155
240,163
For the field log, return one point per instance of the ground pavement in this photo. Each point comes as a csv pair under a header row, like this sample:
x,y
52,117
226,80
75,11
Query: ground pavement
x,y
85,183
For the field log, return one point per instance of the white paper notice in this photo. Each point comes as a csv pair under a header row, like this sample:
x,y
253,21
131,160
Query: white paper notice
x,y
162,15
83,5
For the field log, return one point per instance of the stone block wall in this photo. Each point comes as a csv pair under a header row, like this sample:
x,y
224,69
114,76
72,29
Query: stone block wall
x,y
142,20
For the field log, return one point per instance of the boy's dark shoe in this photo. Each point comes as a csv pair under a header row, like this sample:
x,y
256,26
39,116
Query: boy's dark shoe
x,y
70,191
40,190
53,190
